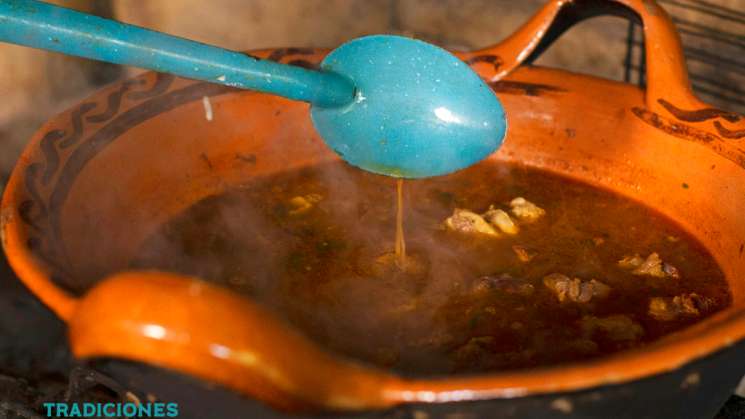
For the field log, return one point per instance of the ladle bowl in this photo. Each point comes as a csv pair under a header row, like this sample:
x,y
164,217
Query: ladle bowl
x,y
419,111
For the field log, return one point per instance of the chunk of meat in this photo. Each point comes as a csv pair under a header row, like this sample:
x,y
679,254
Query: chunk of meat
x,y
503,283
575,290
465,221
617,328
501,220
525,210
302,204
523,254
685,305
651,266
631,262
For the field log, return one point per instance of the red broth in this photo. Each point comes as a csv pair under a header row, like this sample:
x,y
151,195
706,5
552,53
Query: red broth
x,y
465,302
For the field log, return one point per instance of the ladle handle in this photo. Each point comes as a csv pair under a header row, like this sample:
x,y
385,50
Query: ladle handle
x,y
44,26
667,76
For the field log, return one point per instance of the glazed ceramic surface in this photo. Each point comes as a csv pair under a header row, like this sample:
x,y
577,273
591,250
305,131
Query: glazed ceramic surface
x,y
419,112
92,185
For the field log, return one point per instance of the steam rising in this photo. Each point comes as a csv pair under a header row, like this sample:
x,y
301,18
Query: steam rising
x,y
458,303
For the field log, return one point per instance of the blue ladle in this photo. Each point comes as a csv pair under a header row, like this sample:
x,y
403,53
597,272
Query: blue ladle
x,y
387,104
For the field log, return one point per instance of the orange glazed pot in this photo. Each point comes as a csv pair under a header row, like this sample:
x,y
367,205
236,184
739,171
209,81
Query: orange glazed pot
x,y
96,180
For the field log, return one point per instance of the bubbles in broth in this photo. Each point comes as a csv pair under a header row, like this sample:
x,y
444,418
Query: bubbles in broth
x,y
581,274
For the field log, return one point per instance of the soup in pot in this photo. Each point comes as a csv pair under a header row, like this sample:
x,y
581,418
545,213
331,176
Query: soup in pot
x,y
505,267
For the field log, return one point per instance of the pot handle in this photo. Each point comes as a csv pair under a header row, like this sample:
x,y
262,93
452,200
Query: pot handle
x,y
667,76
191,326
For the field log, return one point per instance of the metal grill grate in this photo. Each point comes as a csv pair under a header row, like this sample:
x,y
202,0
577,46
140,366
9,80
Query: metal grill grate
x,y
713,38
